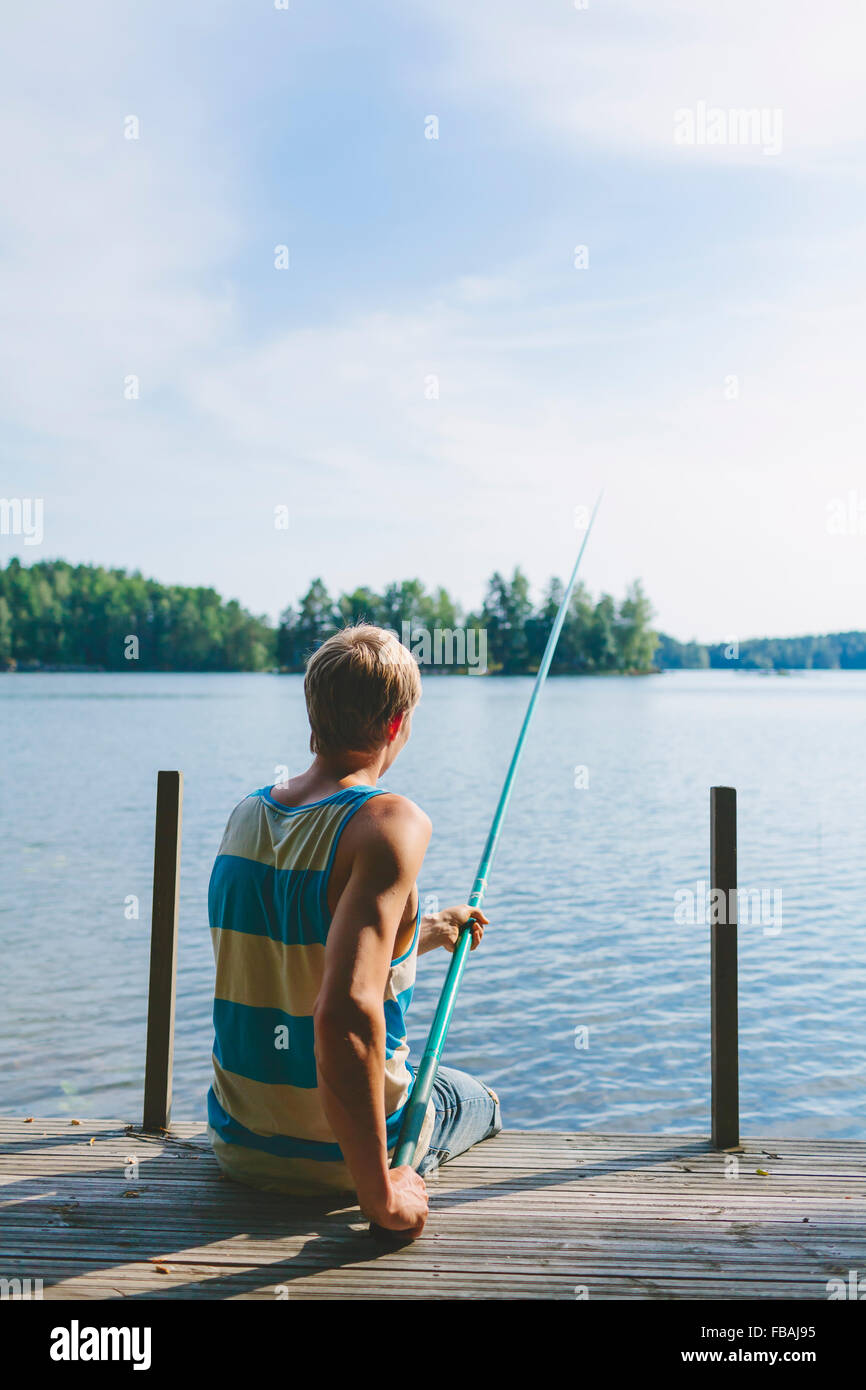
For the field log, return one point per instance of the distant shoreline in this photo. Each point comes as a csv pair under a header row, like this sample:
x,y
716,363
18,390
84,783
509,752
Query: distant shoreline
x,y
84,618
429,672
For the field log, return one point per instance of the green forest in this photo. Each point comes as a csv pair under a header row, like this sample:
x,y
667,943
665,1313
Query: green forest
x,y
54,615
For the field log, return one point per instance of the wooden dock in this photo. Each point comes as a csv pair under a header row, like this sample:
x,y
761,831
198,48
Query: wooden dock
x,y
99,1210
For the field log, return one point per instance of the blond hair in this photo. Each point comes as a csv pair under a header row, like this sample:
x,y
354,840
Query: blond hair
x,y
356,684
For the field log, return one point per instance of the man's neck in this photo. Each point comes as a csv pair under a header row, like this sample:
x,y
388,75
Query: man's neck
x,y
330,773
347,769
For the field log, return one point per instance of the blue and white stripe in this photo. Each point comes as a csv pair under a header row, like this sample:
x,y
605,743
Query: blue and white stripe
x,y
269,918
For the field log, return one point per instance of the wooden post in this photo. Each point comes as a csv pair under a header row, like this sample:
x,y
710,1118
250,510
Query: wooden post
x,y
723,969
163,952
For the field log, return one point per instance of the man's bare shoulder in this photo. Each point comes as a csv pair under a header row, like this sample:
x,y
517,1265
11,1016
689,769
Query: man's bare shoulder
x,y
389,822
389,813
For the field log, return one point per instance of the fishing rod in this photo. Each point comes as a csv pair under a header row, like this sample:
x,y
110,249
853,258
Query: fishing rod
x,y
416,1108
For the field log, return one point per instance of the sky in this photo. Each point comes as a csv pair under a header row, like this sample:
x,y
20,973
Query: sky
x,y
438,381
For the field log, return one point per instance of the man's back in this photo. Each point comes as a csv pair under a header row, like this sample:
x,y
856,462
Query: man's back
x,y
316,928
271,901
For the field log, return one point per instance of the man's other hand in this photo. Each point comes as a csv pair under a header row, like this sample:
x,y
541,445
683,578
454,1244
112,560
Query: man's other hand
x,y
443,928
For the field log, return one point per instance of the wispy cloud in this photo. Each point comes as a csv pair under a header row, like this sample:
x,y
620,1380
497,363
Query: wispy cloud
x,y
611,76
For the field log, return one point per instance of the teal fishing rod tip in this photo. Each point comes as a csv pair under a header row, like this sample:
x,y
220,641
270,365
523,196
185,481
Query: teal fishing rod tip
x,y
416,1106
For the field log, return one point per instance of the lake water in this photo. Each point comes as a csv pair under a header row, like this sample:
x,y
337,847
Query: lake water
x,y
584,935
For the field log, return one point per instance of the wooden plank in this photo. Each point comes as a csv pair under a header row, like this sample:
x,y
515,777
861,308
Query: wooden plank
x,y
547,1142
220,1281
731,1259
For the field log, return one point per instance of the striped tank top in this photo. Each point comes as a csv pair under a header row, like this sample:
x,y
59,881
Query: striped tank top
x,y
269,919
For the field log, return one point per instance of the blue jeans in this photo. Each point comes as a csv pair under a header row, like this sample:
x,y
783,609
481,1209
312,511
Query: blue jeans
x,y
467,1111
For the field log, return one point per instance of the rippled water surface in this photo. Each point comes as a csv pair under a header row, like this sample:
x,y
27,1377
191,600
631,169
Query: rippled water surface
x,y
581,898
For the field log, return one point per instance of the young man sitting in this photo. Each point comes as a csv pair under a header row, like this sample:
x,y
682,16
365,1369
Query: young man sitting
x,y
316,928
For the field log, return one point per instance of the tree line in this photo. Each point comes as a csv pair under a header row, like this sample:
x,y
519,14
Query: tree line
x,y
53,614
834,651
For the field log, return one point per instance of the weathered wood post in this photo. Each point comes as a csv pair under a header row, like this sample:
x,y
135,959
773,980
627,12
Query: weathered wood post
x,y
163,952
725,1104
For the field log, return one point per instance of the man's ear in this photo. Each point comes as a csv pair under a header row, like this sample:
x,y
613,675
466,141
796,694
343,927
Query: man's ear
x,y
395,726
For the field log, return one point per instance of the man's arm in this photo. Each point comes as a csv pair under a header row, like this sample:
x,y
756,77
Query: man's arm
x,y
389,838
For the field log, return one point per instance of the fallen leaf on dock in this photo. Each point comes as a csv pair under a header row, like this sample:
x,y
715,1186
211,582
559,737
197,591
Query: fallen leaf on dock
x,y
162,1269
75,1122
762,1172
131,1192
29,1120
93,1140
